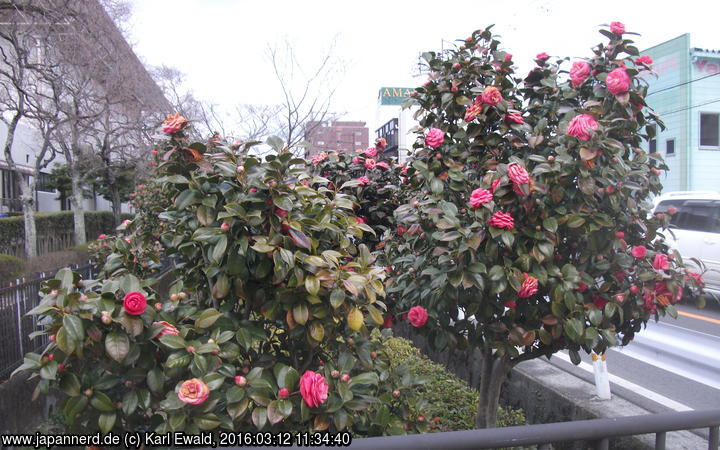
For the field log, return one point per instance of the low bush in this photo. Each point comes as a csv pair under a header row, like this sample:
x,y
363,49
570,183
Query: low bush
x,y
10,268
450,400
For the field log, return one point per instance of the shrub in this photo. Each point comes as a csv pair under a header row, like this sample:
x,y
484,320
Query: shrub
x,y
272,285
11,268
448,398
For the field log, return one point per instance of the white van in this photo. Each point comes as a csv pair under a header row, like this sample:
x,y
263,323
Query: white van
x,y
695,230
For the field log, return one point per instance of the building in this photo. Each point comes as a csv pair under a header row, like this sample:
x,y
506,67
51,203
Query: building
x,y
686,95
396,122
81,33
338,136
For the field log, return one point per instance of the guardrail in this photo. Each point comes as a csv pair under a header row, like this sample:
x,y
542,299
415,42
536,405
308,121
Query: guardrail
x,y
597,431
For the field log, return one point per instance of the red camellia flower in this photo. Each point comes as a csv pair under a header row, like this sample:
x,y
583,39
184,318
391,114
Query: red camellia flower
x,y
169,329
401,230
356,160
542,56
579,73
514,117
661,262
369,163
644,59
134,303
697,277
501,220
364,180
510,304
472,111
102,236
434,138
494,185
174,123
618,81
313,388
619,235
639,251
417,316
360,220
508,57
479,197
491,96
388,322
193,391
579,126
529,286
617,28
599,302
518,174
371,152
583,287
382,165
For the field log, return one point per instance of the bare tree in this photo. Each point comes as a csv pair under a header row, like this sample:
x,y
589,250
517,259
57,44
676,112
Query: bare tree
x,y
307,96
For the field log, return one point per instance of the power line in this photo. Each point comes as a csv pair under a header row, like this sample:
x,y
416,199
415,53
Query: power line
x,y
683,84
689,107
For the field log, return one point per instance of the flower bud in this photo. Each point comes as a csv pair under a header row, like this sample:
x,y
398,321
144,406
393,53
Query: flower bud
x,y
619,235
190,349
88,392
173,297
345,378
224,227
52,338
335,374
283,393
396,393
240,381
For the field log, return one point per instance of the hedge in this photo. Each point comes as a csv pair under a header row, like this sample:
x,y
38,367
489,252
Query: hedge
x,y
10,268
452,403
53,224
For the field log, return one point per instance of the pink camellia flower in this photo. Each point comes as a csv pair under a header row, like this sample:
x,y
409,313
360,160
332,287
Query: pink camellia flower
x,y
173,123
618,81
313,388
280,212
518,174
193,391
381,143
617,28
320,157
491,96
661,262
154,152
501,220
169,329
356,160
514,117
579,72
434,138
382,165
579,126
639,251
495,185
417,316
102,236
369,163
360,220
479,197
508,57
542,56
401,230
283,393
473,111
364,180
529,286
371,152
697,277
134,303
644,59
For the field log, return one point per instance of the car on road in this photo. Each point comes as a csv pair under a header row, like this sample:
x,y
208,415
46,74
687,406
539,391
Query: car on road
x,y
695,230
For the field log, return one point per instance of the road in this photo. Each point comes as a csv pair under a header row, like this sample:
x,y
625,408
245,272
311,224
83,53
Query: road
x,y
672,365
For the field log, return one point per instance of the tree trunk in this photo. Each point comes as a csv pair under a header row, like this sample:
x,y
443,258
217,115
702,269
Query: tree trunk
x,y
116,203
28,203
78,208
494,373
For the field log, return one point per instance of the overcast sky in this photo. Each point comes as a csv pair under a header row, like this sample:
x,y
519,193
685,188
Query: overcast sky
x,y
222,44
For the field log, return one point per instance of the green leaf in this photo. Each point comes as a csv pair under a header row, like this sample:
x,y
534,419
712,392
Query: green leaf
x,y
207,318
102,402
219,249
49,370
235,394
283,202
66,278
550,224
70,384
286,376
205,215
300,239
63,342
284,407
300,313
575,357
117,346
207,421
273,413
73,406
575,222
337,298
259,418
156,379
178,359
365,378
185,199
312,284
173,341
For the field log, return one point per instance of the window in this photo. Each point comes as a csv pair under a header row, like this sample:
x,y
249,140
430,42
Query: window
x,y
652,140
670,147
709,124
320,142
43,183
357,143
696,215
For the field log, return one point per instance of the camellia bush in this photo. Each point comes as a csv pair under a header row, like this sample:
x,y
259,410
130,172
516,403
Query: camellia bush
x,y
529,202
265,327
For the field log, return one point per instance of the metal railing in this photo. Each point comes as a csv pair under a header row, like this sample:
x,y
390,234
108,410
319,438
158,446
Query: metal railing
x,y
598,432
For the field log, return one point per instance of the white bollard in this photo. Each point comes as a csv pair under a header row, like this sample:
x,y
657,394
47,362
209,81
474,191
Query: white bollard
x,y
602,382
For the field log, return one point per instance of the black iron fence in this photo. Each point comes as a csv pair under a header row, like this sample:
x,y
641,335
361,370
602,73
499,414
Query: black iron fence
x,y
16,327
